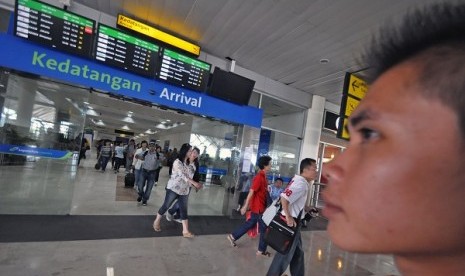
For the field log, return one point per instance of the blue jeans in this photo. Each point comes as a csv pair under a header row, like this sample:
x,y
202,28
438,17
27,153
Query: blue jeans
x,y
128,164
118,163
241,230
294,258
104,161
174,210
138,177
170,197
149,177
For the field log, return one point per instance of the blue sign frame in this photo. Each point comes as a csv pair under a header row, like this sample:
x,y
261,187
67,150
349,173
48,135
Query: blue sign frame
x,y
22,55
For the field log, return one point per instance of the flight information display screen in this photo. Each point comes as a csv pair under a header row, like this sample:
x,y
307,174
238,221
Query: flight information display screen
x,y
184,71
54,27
119,49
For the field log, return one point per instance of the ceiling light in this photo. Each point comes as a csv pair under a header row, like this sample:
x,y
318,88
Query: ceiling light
x,y
168,120
91,112
99,122
128,119
85,103
125,127
324,60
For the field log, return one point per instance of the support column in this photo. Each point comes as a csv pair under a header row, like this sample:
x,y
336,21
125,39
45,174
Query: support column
x,y
24,93
312,130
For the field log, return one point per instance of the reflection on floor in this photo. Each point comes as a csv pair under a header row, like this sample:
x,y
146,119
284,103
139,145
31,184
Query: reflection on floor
x,y
208,253
203,255
94,194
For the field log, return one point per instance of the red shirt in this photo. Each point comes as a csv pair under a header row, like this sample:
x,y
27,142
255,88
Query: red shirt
x,y
259,187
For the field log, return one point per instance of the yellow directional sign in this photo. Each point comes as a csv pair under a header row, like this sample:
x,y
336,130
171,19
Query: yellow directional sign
x,y
357,87
152,32
351,104
355,90
345,133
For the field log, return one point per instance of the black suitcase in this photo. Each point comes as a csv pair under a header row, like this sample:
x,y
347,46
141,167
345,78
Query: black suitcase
x,y
129,180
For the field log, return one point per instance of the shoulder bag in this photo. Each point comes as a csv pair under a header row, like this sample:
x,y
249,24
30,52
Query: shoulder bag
x,y
279,235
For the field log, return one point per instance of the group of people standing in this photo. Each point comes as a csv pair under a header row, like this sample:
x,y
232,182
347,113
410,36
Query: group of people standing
x,y
118,153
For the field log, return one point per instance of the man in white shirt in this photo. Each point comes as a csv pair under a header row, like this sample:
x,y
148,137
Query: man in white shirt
x,y
137,162
293,201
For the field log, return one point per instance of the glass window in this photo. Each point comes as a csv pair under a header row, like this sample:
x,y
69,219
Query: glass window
x,y
281,116
40,133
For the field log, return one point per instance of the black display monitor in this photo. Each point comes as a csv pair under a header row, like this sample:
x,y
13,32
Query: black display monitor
x,y
330,121
54,27
184,71
116,48
231,87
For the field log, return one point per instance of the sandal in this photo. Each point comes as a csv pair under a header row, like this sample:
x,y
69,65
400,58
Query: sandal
x,y
264,254
231,240
188,235
156,227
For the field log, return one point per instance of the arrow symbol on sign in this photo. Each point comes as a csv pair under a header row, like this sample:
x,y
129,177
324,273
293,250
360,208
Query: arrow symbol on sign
x,y
355,85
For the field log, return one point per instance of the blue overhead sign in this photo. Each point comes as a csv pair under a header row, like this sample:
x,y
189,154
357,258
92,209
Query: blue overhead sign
x,y
22,55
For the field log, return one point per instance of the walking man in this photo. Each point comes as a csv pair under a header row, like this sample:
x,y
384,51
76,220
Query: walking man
x,y
293,202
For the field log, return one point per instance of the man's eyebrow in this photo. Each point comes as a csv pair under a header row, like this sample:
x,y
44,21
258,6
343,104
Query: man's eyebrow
x,y
361,116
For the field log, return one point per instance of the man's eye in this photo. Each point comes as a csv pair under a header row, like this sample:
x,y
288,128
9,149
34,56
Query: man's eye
x,y
368,133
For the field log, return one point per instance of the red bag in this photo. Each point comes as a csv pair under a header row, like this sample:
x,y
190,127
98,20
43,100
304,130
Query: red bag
x,y
253,232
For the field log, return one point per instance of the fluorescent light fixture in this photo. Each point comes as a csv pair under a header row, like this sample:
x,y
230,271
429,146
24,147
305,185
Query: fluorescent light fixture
x,y
289,155
91,112
128,119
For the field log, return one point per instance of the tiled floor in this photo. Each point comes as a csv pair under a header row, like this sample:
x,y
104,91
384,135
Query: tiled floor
x,y
94,194
203,255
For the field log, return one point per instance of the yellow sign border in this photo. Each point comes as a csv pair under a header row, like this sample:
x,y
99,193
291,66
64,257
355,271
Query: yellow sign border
x,y
152,32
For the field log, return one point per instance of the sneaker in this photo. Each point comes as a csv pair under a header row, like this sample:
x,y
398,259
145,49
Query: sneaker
x,y
139,199
156,183
169,217
144,203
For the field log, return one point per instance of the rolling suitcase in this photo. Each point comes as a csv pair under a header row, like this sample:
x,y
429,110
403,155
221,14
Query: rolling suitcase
x,y
129,180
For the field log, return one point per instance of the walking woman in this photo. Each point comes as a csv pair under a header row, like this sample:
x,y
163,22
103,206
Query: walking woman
x,y
257,202
178,188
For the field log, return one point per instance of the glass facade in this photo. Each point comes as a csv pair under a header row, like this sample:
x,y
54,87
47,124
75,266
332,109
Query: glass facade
x,y
41,129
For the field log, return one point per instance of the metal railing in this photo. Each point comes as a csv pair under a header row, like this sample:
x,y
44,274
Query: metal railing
x,y
316,200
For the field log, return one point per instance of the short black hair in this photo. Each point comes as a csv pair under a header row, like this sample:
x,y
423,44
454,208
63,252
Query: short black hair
x,y
263,161
433,39
306,162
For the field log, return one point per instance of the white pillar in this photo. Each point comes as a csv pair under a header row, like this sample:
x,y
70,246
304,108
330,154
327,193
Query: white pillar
x,y
312,130
24,93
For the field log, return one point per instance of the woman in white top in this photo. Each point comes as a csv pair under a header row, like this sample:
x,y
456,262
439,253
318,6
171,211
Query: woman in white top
x,y
178,188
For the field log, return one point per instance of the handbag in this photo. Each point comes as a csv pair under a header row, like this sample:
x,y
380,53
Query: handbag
x,y
271,211
279,235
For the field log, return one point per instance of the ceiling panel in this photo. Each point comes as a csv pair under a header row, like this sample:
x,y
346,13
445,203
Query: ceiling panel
x,y
282,40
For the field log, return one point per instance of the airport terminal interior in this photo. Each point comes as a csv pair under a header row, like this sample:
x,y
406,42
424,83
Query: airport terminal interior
x,y
275,78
